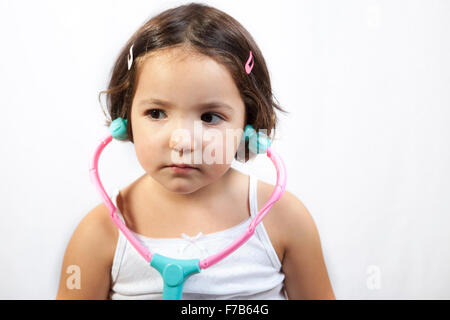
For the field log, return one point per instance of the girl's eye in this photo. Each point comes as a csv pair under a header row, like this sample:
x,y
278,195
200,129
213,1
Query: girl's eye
x,y
209,118
154,113
158,114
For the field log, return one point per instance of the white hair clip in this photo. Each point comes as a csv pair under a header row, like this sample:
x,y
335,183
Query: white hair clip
x,y
130,60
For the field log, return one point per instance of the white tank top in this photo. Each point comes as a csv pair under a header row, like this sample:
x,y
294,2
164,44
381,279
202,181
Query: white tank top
x,y
251,272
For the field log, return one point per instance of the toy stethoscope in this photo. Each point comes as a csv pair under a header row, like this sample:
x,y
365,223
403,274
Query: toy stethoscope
x,y
175,271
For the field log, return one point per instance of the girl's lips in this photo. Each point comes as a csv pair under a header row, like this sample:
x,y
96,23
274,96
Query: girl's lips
x,y
179,169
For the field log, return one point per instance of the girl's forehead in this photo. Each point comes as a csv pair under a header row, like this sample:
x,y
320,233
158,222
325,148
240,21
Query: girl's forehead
x,y
164,66
172,55
164,76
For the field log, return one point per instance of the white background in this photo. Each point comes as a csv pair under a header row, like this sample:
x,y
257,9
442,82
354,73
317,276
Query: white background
x,y
366,143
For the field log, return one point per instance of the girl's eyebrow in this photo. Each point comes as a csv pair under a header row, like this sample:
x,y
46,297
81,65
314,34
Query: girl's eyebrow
x,y
204,105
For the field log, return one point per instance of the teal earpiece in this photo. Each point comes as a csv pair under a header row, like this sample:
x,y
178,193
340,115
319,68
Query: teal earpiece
x,y
118,129
258,142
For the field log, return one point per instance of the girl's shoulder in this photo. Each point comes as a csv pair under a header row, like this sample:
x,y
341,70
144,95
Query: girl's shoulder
x,y
284,218
97,235
89,256
99,229
303,261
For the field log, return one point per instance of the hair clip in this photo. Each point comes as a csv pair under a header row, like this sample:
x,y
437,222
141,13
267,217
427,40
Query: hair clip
x,y
130,60
249,68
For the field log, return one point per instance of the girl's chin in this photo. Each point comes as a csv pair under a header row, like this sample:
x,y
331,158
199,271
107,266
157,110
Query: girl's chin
x,y
181,187
181,190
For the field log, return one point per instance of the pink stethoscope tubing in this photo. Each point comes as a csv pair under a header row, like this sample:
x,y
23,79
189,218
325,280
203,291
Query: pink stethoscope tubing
x,y
208,261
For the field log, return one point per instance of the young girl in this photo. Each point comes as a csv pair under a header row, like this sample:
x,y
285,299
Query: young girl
x,y
186,69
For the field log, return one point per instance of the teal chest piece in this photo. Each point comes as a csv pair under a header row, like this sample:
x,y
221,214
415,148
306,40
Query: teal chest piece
x,y
174,273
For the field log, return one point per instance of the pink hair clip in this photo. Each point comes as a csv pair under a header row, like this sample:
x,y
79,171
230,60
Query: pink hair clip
x,y
248,67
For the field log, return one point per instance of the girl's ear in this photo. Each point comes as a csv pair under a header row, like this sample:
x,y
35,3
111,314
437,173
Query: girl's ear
x,y
118,129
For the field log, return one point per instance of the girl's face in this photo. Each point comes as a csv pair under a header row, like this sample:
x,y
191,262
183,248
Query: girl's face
x,y
174,119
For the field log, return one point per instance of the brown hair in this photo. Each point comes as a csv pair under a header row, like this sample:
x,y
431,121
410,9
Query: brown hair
x,y
207,31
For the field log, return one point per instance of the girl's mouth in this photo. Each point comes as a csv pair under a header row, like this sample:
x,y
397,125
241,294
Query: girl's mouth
x,y
181,168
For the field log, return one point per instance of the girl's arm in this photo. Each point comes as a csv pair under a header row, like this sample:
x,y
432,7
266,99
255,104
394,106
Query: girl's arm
x,y
86,269
305,272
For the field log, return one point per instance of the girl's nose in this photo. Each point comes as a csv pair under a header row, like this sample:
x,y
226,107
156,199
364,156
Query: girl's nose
x,y
180,143
183,137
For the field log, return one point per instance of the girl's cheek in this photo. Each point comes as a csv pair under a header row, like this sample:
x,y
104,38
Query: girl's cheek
x,y
219,152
